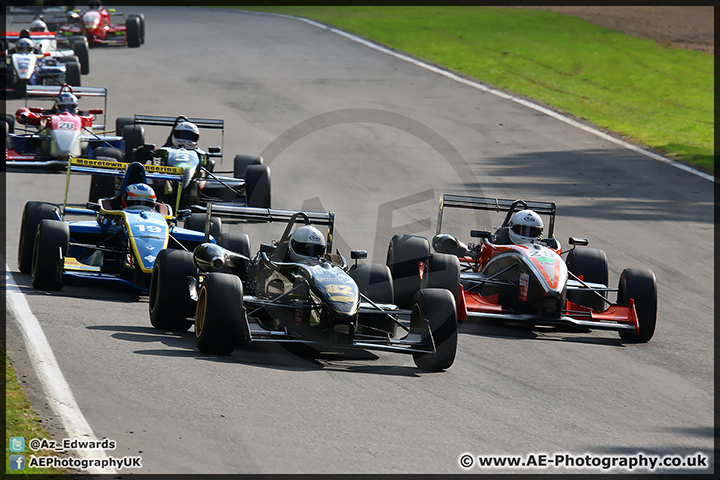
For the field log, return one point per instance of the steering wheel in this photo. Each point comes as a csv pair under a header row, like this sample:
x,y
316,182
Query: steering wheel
x,y
512,210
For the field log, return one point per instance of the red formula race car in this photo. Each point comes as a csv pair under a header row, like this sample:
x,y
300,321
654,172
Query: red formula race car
x,y
96,24
518,275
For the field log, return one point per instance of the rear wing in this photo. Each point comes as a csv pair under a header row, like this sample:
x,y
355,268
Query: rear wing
x,y
206,123
33,36
269,215
112,168
494,204
50,92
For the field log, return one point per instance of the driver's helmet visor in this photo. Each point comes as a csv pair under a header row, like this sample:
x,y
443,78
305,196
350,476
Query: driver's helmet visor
x,y
188,135
527,230
305,249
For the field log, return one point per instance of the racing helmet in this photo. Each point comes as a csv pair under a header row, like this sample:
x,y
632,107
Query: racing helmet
x,y
38,26
66,102
525,226
185,134
94,4
305,243
72,17
25,45
139,195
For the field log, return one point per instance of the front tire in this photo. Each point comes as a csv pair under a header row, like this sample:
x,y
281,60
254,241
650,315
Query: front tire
x,y
33,214
241,162
51,246
375,282
435,310
257,186
133,32
169,302
405,252
72,74
220,321
442,271
80,47
640,285
134,137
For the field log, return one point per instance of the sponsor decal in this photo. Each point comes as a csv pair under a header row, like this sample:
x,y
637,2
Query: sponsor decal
x,y
523,284
149,258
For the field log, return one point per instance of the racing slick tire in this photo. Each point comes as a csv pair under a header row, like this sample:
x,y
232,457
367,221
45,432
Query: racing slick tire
x,y
108,153
120,123
51,246
437,307
220,321
241,162
10,122
640,285
238,243
592,265
134,137
442,271
33,214
69,58
82,52
375,282
169,300
103,186
141,17
72,74
196,222
257,186
132,32
403,257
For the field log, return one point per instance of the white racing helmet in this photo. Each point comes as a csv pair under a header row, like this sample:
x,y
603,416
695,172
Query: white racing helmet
x,y
66,102
38,26
25,45
139,195
185,134
305,243
525,226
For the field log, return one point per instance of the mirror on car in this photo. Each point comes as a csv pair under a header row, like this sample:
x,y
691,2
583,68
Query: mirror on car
x,y
578,241
480,234
446,243
358,254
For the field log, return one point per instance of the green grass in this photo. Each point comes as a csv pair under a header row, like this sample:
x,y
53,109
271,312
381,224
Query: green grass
x,y
653,95
21,421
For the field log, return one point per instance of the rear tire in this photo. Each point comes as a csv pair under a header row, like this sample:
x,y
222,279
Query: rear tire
x,y
640,285
82,52
241,162
108,153
120,123
238,243
51,246
592,265
257,186
403,257
10,121
33,214
434,309
220,321
375,282
169,302
134,137
132,32
196,222
72,74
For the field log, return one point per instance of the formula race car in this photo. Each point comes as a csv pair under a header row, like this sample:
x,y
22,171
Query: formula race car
x,y
517,276
50,136
118,247
36,58
293,292
250,184
96,24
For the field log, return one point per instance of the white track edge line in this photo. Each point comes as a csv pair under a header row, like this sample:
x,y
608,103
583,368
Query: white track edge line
x,y
499,93
59,396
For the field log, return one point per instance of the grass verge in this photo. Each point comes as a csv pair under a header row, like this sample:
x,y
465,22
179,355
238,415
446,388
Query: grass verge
x,y
22,421
653,95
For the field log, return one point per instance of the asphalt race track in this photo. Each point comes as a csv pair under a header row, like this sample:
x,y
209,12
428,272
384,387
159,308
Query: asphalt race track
x,y
376,139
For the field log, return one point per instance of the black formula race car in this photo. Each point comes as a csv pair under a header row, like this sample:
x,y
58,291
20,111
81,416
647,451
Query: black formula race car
x,y
320,302
527,283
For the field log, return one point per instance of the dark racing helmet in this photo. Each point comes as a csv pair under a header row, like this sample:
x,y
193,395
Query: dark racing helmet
x,y
525,226
139,195
94,4
185,134
306,243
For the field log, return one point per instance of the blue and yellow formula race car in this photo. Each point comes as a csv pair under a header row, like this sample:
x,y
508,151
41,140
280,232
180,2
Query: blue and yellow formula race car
x,y
119,246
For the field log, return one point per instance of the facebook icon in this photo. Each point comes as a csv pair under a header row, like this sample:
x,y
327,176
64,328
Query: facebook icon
x,y
17,462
